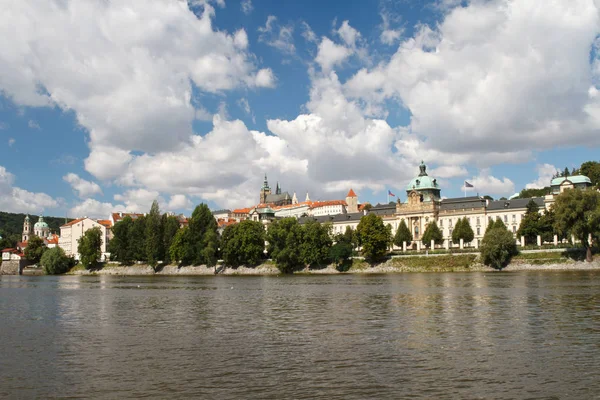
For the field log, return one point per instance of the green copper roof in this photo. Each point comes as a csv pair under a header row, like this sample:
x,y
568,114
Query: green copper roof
x,y
423,181
573,179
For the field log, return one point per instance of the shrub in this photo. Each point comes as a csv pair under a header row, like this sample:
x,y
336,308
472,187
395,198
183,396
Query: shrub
x,y
55,261
497,248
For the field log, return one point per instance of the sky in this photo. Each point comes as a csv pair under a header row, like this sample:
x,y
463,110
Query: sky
x,y
108,105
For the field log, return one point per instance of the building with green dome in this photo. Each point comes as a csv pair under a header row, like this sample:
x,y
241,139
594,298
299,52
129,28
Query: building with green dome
x,y
426,186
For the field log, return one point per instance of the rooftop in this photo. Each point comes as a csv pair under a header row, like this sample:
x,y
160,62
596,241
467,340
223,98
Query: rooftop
x,y
513,204
573,179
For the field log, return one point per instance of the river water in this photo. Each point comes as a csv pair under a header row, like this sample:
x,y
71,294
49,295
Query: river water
x,y
454,335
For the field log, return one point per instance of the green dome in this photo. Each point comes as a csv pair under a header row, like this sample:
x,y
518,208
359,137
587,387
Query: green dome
x,y
41,224
423,181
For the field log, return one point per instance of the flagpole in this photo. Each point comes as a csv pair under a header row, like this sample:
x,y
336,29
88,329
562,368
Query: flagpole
x,y
388,197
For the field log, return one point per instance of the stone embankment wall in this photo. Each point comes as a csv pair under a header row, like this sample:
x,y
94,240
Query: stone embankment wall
x,y
12,267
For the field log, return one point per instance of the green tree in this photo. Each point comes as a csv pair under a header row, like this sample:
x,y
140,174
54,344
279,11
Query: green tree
x,y
402,235
285,240
243,243
201,222
432,232
90,247
529,193
154,236
457,231
591,169
35,249
530,224
577,213
137,239
351,236
170,226
181,249
55,261
546,226
497,248
341,251
316,243
374,237
210,247
499,224
119,246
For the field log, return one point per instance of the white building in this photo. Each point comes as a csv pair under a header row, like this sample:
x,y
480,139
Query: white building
x,y
332,207
71,232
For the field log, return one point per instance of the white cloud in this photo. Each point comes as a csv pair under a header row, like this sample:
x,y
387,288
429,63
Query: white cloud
x,y
139,200
125,68
545,174
33,125
95,209
494,78
15,199
389,36
485,184
246,6
81,186
11,141
308,34
448,171
348,34
331,54
178,202
277,36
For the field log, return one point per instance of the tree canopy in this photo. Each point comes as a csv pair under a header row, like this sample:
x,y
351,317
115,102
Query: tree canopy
x,y
498,247
35,249
432,232
530,226
285,240
374,237
243,243
316,243
90,247
577,213
462,230
55,261
402,234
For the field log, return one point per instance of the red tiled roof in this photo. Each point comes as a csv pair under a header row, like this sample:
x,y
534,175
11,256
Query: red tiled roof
x,y
317,204
351,193
73,222
53,240
292,205
119,216
21,245
223,223
242,210
9,250
104,222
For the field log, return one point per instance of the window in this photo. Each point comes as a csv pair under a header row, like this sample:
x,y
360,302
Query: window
x,y
505,218
441,223
478,221
450,225
514,218
478,231
514,229
450,230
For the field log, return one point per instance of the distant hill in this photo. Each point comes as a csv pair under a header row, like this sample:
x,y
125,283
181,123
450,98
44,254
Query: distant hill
x,y
11,226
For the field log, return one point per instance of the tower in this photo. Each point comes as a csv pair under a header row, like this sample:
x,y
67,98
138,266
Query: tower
x,y
26,229
266,190
351,202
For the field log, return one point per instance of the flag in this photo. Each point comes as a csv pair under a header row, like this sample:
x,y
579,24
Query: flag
x,y
391,194
467,184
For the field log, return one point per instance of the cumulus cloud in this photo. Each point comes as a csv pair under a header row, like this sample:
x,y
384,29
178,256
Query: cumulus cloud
x,y
389,36
348,34
485,184
331,54
95,209
139,200
125,68
11,141
545,174
81,186
495,78
15,199
178,202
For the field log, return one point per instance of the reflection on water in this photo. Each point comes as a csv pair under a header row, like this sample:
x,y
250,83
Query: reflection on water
x,y
498,335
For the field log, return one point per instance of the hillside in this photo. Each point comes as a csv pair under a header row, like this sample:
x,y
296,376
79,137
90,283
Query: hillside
x,y
11,226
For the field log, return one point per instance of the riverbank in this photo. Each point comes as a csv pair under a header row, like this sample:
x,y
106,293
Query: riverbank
x,y
445,263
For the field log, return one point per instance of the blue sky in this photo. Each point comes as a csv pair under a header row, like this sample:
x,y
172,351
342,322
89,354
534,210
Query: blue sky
x,y
108,105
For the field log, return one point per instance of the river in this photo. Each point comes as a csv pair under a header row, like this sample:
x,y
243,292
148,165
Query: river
x,y
419,335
